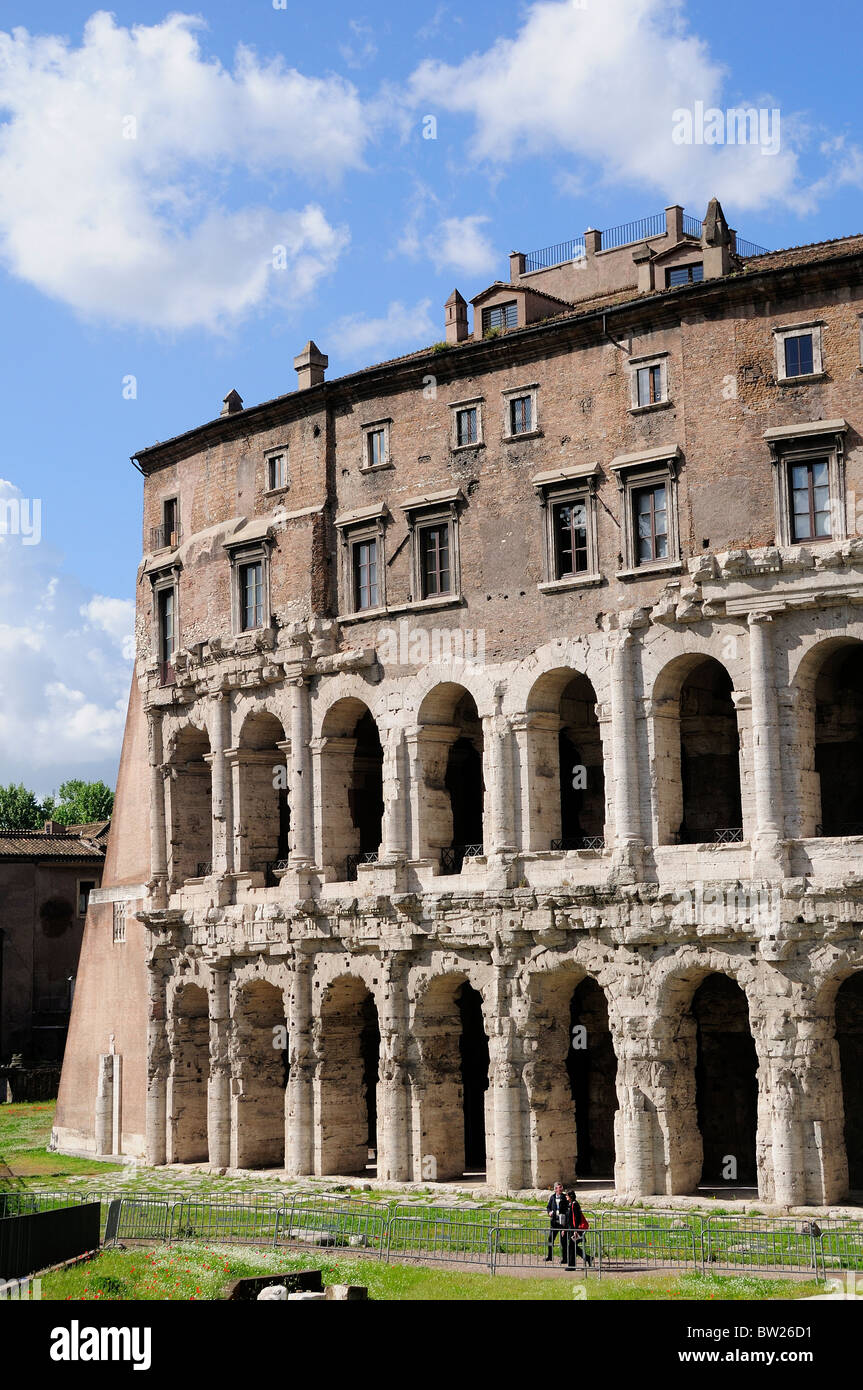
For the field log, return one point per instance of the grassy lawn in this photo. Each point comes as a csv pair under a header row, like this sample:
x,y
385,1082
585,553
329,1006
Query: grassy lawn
x,y
192,1272
25,1131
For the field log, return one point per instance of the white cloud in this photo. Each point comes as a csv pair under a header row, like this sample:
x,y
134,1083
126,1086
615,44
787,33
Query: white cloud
x,y
401,328
450,243
364,49
601,84
116,166
65,669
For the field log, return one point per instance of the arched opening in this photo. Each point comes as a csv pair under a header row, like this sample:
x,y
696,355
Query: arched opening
x,y
190,1064
262,1076
349,1043
565,782
839,741
849,1036
726,1083
571,1080
190,815
454,1098
452,799
263,813
352,784
697,754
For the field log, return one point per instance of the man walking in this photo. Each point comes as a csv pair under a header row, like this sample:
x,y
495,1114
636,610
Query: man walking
x,y
557,1207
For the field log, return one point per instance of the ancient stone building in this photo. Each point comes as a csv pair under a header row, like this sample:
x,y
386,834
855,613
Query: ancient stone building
x,y
492,791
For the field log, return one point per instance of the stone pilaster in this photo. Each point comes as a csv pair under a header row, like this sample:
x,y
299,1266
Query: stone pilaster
x,y
158,834
299,1096
219,1083
394,1136
158,1064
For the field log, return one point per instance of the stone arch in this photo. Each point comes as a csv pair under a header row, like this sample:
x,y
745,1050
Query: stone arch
x,y
189,1041
351,787
715,1083
828,688
696,751
189,812
841,1001
570,1077
262,810
260,1071
564,777
451,790
347,1084
455,1111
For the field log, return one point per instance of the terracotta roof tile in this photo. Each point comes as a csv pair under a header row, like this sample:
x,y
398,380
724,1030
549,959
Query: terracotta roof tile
x,y
35,844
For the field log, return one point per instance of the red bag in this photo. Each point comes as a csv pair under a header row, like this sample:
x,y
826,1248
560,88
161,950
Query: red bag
x,y
584,1224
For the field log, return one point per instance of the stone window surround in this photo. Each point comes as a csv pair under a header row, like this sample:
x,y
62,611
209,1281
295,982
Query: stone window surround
x,y
634,364
161,579
568,485
249,552
361,524
271,454
646,469
796,444
794,330
474,403
174,497
369,428
531,390
428,510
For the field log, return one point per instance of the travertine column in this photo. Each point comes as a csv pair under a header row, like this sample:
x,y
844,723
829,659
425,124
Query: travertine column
x,y
766,769
394,1154
302,820
158,837
506,1171
499,833
395,822
299,1094
219,1084
158,1064
223,840
627,818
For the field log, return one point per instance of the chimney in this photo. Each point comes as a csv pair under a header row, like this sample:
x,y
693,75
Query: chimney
x,y
456,318
516,264
310,366
592,241
717,242
53,827
232,403
674,224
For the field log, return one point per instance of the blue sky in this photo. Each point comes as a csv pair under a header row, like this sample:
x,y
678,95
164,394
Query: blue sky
x,y
150,161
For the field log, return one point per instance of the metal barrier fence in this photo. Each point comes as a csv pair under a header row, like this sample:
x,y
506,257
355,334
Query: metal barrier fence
x,y
617,1241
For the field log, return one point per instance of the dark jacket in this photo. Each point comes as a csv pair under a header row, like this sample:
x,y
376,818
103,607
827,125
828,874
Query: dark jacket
x,y
574,1215
560,1218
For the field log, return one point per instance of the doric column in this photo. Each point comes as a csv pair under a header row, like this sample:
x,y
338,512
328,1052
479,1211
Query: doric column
x,y
507,1094
219,1083
302,819
627,818
158,1063
766,768
394,1146
299,1096
223,840
395,822
158,837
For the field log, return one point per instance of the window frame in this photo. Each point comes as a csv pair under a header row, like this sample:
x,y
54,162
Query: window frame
x,y
812,327
635,473
94,884
517,393
160,580
505,305
240,555
820,439
271,456
558,488
656,360
456,409
354,528
371,428
690,280
244,568
422,513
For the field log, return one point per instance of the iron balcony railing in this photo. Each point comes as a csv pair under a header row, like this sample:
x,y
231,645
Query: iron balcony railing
x,y
626,234
273,870
691,226
568,842
165,537
452,859
633,231
564,251
204,869
354,860
750,248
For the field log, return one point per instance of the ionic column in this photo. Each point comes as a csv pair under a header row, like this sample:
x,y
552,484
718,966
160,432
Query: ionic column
x,y
302,819
498,763
219,1081
766,767
627,817
158,836
299,1093
394,1146
158,1065
223,839
395,828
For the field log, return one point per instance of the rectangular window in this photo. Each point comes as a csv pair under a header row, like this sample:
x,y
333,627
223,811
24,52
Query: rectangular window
x,y
85,888
467,426
365,563
520,415
167,633
119,923
251,596
500,316
810,500
277,472
169,520
376,447
570,539
799,357
649,385
435,560
651,523
685,274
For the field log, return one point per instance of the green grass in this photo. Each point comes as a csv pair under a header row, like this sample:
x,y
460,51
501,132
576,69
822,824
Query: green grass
x,y
25,1132
192,1272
